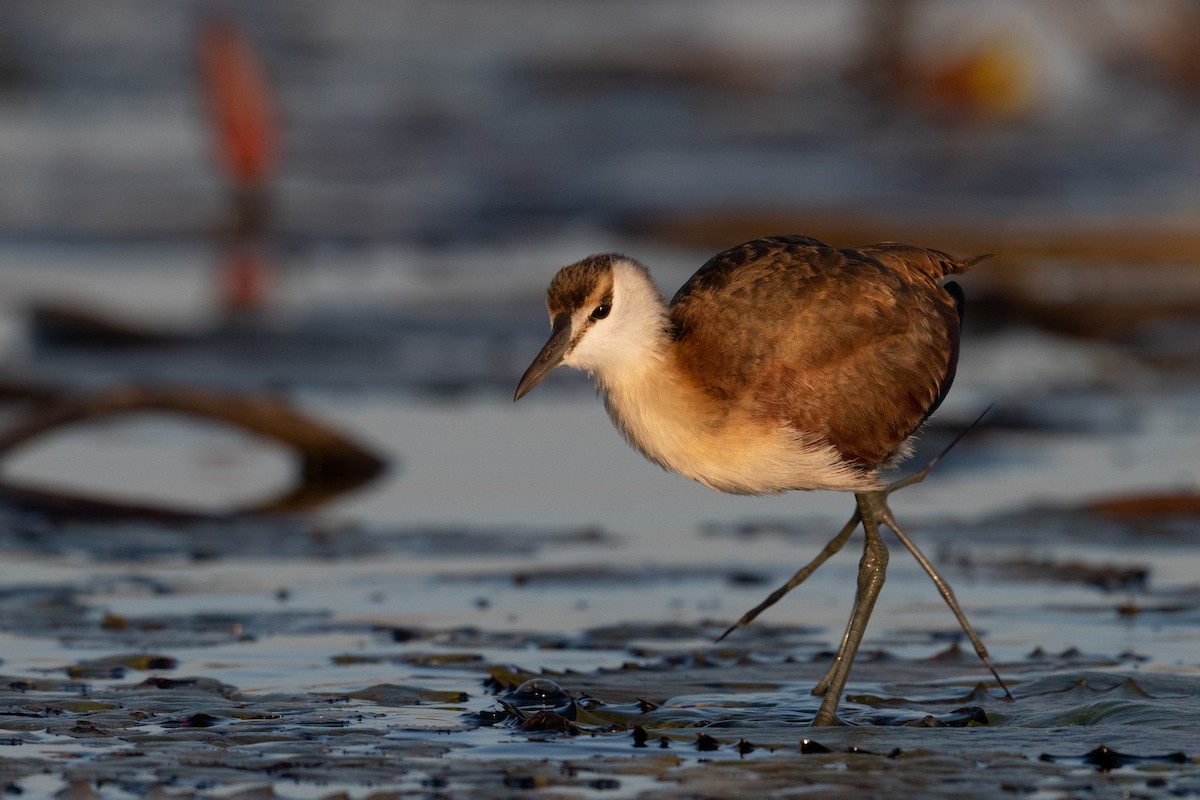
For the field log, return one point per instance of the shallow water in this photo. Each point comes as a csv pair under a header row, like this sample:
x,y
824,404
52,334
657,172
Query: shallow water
x,y
442,160
369,645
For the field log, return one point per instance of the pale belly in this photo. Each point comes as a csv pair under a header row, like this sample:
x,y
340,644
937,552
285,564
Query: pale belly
x,y
732,457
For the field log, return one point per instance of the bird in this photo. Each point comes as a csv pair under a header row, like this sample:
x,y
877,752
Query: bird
x,y
782,364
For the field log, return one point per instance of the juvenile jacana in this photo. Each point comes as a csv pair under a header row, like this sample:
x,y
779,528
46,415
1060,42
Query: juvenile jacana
x,y
782,364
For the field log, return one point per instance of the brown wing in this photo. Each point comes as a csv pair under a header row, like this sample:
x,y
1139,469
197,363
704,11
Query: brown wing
x,y
835,342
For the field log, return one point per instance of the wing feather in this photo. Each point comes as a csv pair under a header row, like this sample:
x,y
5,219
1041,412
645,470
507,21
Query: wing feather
x,y
850,347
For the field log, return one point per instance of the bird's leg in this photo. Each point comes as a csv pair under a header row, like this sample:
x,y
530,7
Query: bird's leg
x,y
886,517
822,687
872,570
834,545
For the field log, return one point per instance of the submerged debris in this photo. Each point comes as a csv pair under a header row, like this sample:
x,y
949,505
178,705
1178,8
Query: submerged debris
x,y
1106,577
547,720
330,463
1106,759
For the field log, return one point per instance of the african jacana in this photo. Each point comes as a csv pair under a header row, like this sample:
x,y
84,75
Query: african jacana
x,y
782,364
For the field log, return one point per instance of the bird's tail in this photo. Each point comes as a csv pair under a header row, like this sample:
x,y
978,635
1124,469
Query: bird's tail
x,y
911,260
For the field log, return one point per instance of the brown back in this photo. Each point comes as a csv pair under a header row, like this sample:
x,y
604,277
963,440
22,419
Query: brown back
x,y
853,346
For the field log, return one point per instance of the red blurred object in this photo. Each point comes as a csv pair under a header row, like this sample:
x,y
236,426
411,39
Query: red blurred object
x,y
240,103
247,140
246,279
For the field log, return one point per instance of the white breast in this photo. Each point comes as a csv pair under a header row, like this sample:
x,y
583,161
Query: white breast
x,y
660,417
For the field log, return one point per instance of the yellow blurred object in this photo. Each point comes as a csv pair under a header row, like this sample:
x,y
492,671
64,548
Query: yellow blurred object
x,y
992,81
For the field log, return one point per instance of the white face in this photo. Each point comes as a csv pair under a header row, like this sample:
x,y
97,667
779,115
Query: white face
x,y
631,328
590,350
619,329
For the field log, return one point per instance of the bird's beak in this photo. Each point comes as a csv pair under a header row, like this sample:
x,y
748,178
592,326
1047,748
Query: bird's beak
x,y
550,357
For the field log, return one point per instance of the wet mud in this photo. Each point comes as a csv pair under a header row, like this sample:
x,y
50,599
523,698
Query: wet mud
x,y
99,702
663,725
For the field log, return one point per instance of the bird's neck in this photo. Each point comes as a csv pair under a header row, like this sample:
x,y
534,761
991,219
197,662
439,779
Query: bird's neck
x,y
648,395
655,407
655,404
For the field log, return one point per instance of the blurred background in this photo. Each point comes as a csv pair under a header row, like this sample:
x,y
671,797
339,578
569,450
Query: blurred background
x,y
325,228
414,152
354,207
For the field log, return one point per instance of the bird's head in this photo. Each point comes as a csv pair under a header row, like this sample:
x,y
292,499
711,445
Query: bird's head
x,y
605,314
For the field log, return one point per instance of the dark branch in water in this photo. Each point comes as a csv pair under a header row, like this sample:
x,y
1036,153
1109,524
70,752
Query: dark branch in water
x,y
330,463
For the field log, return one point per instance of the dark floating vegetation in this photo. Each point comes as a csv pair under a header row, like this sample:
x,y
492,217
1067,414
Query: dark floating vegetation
x,y
1106,759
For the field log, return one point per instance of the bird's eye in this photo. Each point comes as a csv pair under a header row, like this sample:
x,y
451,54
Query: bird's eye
x,y
601,311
